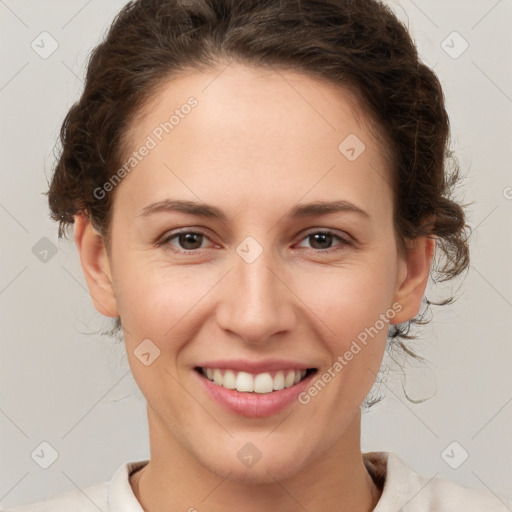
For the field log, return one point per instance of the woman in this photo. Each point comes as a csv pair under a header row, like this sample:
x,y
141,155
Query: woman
x,y
258,190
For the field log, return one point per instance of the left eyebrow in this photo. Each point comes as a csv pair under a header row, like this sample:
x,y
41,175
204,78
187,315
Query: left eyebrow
x,y
208,211
325,208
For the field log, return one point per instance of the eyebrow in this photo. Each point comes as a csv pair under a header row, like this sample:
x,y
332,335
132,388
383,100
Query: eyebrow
x,y
208,211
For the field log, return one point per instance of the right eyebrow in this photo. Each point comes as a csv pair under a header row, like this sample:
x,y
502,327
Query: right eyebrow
x,y
187,207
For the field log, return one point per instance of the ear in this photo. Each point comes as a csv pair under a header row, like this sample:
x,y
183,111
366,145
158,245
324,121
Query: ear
x,y
95,265
413,274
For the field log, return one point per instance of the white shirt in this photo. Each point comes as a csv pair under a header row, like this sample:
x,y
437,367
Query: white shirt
x,y
403,490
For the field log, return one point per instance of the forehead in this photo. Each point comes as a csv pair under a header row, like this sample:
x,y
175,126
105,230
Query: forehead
x,y
261,134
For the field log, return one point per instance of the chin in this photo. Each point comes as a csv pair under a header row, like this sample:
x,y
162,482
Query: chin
x,y
261,474
274,463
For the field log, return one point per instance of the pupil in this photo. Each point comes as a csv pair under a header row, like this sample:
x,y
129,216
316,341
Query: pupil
x,y
323,238
188,238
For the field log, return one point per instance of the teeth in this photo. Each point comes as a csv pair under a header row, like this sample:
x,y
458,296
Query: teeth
x,y
263,383
289,379
244,382
279,381
217,377
260,383
229,380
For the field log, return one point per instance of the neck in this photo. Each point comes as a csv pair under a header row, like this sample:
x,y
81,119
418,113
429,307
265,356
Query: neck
x,y
174,480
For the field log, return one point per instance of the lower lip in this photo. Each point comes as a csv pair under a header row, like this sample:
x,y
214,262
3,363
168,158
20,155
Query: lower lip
x,y
254,405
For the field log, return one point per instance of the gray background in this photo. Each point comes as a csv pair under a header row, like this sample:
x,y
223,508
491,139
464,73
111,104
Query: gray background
x,y
75,391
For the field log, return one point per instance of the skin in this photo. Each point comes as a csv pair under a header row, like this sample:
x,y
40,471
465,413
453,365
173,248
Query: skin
x,y
258,143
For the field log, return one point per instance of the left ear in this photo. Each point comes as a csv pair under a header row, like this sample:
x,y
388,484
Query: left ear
x,y
413,274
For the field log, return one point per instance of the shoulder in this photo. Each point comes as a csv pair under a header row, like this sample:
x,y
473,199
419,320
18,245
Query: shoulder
x,y
115,495
447,495
90,499
403,489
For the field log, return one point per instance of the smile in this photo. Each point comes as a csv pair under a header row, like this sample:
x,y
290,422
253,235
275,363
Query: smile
x,y
266,382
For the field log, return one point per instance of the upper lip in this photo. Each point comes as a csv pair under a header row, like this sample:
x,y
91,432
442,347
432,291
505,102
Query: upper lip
x,y
245,365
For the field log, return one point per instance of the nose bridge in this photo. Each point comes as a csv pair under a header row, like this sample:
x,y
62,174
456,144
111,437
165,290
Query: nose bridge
x,y
257,304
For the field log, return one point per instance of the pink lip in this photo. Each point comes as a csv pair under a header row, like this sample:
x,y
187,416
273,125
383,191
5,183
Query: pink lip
x,y
242,365
253,405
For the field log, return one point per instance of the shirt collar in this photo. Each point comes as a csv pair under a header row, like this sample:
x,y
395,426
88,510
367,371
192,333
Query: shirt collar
x,y
120,492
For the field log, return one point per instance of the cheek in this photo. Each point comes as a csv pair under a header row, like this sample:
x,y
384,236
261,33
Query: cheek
x,y
153,296
348,300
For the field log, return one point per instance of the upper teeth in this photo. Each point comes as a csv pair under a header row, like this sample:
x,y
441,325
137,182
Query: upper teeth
x,y
259,383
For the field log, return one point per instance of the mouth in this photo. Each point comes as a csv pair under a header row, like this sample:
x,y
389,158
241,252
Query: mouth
x,y
254,389
255,383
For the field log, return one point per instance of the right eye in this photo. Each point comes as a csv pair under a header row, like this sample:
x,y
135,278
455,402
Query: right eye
x,y
188,241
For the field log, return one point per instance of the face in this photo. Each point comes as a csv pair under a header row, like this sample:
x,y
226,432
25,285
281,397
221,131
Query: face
x,y
220,265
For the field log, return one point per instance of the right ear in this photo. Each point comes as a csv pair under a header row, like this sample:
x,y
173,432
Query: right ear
x,y
95,265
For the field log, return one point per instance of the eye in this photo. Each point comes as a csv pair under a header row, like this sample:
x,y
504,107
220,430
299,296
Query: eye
x,y
186,240
323,240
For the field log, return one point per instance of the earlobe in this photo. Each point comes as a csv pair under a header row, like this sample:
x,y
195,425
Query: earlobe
x,y
413,278
95,265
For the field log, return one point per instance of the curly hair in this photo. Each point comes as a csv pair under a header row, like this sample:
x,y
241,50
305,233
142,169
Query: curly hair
x,y
358,45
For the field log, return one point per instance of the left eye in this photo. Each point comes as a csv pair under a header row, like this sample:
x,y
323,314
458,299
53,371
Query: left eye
x,y
324,240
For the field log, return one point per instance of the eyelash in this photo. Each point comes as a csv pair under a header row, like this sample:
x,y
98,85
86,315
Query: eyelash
x,y
344,242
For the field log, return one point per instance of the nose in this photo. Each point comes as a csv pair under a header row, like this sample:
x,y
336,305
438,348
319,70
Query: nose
x,y
256,303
